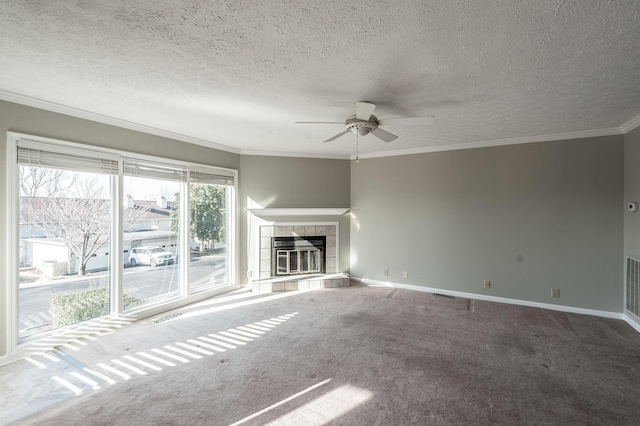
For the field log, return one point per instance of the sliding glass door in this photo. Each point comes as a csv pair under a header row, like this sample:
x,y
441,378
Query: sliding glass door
x,y
169,226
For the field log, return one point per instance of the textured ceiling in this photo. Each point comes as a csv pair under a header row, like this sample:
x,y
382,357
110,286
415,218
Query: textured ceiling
x,y
240,73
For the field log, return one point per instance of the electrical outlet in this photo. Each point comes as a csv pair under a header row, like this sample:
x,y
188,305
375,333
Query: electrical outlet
x,y
386,272
249,273
555,293
405,274
487,284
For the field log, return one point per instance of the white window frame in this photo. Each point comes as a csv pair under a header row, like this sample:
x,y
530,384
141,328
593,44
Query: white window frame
x,y
16,346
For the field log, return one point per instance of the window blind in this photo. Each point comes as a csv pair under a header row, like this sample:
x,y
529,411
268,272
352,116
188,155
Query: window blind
x,y
66,161
147,169
211,179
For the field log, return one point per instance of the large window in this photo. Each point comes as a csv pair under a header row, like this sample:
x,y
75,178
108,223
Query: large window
x,y
170,223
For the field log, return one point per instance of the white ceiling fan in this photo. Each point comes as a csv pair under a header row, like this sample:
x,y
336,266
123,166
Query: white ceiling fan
x,y
364,122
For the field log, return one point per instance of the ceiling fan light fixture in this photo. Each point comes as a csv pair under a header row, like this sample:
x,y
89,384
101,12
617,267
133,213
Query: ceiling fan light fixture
x,y
361,127
362,131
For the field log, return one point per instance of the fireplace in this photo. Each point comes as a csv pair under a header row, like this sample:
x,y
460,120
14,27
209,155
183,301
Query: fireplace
x,y
300,248
298,255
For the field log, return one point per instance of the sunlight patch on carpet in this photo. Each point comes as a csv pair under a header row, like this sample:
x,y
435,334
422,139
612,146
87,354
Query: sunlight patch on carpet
x,y
153,360
326,408
320,411
74,336
36,363
279,403
73,388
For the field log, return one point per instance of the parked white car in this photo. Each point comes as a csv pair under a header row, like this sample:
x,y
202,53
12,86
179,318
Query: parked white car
x,y
153,256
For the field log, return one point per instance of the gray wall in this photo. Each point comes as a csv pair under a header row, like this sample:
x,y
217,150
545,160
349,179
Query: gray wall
x,y
527,217
632,192
294,182
22,119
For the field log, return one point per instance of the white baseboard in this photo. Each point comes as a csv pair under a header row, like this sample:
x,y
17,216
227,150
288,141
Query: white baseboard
x,y
632,320
561,308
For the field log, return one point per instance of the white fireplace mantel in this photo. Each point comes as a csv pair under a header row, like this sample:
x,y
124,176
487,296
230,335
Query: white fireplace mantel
x,y
321,211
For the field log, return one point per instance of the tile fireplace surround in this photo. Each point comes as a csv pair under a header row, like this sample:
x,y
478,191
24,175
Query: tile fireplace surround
x,y
330,279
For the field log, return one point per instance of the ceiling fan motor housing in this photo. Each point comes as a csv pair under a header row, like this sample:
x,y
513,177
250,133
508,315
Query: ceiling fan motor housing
x,y
361,127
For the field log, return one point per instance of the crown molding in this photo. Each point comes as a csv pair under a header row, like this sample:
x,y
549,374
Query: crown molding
x,y
105,119
630,125
499,142
320,211
296,155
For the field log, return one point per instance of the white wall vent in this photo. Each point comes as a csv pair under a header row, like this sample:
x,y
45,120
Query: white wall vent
x,y
633,286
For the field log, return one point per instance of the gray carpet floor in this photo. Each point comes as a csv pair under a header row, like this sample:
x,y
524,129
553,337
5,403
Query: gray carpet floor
x,y
358,356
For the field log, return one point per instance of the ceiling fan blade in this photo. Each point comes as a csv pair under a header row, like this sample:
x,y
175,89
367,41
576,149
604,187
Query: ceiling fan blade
x,y
384,135
408,121
364,110
319,122
337,136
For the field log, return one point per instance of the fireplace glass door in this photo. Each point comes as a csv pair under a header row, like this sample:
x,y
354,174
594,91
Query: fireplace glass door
x,y
298,261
